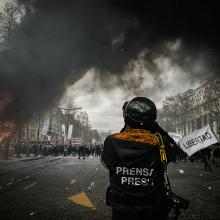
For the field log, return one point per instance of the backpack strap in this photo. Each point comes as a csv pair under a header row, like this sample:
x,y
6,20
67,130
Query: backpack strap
x,y
163,158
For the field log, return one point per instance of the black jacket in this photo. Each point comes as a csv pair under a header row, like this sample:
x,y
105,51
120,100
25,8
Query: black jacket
x,y
136,171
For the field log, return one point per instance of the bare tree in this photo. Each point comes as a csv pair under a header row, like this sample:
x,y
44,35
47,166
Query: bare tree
x,y
166,117
174,112
8,22
85,127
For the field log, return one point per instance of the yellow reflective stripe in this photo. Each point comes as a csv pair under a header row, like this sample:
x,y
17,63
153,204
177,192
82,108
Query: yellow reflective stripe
x,y
159,138
163,155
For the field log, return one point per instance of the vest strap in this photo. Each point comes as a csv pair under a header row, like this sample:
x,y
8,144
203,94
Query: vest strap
x,y
163,156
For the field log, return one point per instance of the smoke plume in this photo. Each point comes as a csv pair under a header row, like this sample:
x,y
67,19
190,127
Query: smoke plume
x,y
57,42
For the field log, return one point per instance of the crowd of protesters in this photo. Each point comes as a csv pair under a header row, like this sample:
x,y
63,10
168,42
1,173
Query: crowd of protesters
x,y
209,156
47,149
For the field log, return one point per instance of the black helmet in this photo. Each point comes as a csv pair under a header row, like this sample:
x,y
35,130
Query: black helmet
x,y
140,112
124,105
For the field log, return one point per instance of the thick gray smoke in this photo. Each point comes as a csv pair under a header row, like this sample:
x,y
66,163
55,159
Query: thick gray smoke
x,y
58,41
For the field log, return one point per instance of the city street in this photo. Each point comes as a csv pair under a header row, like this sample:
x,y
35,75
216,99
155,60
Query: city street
x,y
136,82
69,188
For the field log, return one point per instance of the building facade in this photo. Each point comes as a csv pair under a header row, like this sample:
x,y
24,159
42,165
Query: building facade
x,y
193,109
42,127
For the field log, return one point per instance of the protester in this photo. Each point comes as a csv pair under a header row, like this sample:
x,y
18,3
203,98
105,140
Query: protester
x,y
205,155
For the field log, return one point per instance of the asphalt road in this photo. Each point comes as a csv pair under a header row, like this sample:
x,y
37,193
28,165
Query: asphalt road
x,y
67,188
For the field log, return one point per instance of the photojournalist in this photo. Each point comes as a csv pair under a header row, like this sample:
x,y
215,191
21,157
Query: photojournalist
x,y
136,159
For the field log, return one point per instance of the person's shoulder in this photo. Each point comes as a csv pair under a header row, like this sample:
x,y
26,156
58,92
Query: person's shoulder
x,y
167,141
108,138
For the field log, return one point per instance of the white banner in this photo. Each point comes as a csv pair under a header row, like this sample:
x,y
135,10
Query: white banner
x,y
63,130
45,126
70,130
197,140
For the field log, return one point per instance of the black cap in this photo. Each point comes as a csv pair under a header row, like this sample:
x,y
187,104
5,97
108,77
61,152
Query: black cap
x,y
140,112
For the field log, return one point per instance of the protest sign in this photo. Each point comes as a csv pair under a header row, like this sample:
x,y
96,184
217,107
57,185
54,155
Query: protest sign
x,y
197,140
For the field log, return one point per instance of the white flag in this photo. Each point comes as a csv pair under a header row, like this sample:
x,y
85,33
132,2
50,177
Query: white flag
x,y
70,130
45,126
63,130
197,140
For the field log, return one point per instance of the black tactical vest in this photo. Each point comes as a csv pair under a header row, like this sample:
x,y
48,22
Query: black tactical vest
x,y
136,172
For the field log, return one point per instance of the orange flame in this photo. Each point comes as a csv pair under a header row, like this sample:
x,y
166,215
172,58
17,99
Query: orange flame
x,y
6,130
6,127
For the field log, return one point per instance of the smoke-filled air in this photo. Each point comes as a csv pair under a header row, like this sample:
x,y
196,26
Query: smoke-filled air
x,y
103,52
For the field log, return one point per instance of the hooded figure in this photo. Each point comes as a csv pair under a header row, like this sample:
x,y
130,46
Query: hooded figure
x,y
132,157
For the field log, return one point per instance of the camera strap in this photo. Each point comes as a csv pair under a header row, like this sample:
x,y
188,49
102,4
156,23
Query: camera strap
x,y
163,158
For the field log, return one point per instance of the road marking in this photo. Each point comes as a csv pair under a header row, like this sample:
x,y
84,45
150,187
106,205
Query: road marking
x,y
72,181
82,199
29,186
26,177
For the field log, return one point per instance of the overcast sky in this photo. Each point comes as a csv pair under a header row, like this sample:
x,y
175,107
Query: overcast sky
x,y
2,2
104,106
